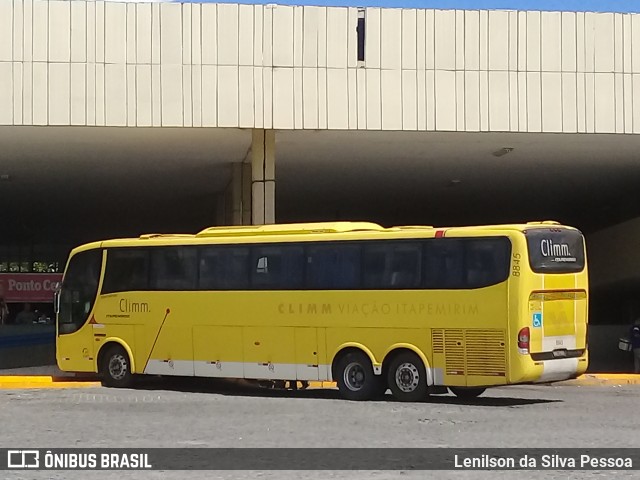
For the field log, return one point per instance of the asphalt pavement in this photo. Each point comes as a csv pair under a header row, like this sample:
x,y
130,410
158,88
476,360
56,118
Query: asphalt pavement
x,y
188,413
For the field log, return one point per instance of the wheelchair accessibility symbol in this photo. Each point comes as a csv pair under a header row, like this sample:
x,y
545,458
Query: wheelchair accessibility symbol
x,y
537,320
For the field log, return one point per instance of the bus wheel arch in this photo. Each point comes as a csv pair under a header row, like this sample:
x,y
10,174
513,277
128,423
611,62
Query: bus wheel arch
x,y
115,364
345,349
352,369
397,349
407,373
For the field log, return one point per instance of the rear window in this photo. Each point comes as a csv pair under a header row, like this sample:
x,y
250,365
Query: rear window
x,y
555,250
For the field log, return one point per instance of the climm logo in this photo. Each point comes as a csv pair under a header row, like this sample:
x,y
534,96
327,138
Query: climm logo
x,y
127,306
550,249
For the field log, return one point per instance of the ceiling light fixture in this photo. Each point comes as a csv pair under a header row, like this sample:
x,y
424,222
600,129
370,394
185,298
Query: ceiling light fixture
x,y
503,151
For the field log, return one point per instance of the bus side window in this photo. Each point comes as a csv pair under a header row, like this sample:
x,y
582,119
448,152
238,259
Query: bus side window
x,y
334,266
487,261
375,265
458,263
127,270
444,262
224,268
392,265
277,267
478,269
405,267
173,268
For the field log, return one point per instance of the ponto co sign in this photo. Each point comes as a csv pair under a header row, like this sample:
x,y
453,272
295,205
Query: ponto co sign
x,y
28,287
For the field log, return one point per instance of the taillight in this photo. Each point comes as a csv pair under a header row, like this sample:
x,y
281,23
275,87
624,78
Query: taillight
x,y
523,341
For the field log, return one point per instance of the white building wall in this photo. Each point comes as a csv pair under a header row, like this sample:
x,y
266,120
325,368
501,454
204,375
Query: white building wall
x,y
227,65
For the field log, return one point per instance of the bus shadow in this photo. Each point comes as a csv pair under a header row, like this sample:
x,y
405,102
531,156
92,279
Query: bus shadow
x,y
488,401
229,388
242,388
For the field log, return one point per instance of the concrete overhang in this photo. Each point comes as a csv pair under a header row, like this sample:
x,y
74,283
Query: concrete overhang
x,y
458,178
63,174
108,180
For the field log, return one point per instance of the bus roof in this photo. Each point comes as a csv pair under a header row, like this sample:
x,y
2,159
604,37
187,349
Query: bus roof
x,y
311,231
290,229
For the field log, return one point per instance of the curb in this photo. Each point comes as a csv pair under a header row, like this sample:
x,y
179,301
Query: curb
x,y
586,380
602,380
10,382
42,381
316,385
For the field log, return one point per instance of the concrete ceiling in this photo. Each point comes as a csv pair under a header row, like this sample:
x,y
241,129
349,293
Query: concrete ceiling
x,y
79,183
117,180
455,178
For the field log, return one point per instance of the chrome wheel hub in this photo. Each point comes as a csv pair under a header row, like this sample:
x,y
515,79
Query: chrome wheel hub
x,y
354,376
117,367
407,377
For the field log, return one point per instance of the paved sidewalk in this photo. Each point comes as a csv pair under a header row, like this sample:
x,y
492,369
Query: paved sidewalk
x,y
44,376
49,376
603,380
588,379
49,370
14,382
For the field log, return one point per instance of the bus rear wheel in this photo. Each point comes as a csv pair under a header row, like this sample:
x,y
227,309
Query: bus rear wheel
x,y
355,377
467,392
407,377
116,368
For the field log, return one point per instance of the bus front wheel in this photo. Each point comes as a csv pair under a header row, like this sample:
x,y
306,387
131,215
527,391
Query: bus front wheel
x,y
407,377
116,368
467,392
355,377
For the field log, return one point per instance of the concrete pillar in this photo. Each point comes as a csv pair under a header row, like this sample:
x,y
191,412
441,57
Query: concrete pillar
x,y
249,198
246,193
263,177
236,194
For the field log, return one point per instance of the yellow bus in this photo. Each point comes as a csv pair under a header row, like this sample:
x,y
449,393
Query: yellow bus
x,y
412,309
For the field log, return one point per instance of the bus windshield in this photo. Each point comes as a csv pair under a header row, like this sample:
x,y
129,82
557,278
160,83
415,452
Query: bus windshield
x,y
78,291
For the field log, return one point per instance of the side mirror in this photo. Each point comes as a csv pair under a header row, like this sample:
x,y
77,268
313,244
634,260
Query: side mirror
x,y
56,301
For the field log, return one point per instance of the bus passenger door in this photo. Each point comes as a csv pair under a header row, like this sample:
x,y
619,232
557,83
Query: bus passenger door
x,y
74,307
75,349
306,345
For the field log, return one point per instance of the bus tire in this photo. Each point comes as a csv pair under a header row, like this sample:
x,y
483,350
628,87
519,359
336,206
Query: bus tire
x,y
355,377
116,368
467,392
407,377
